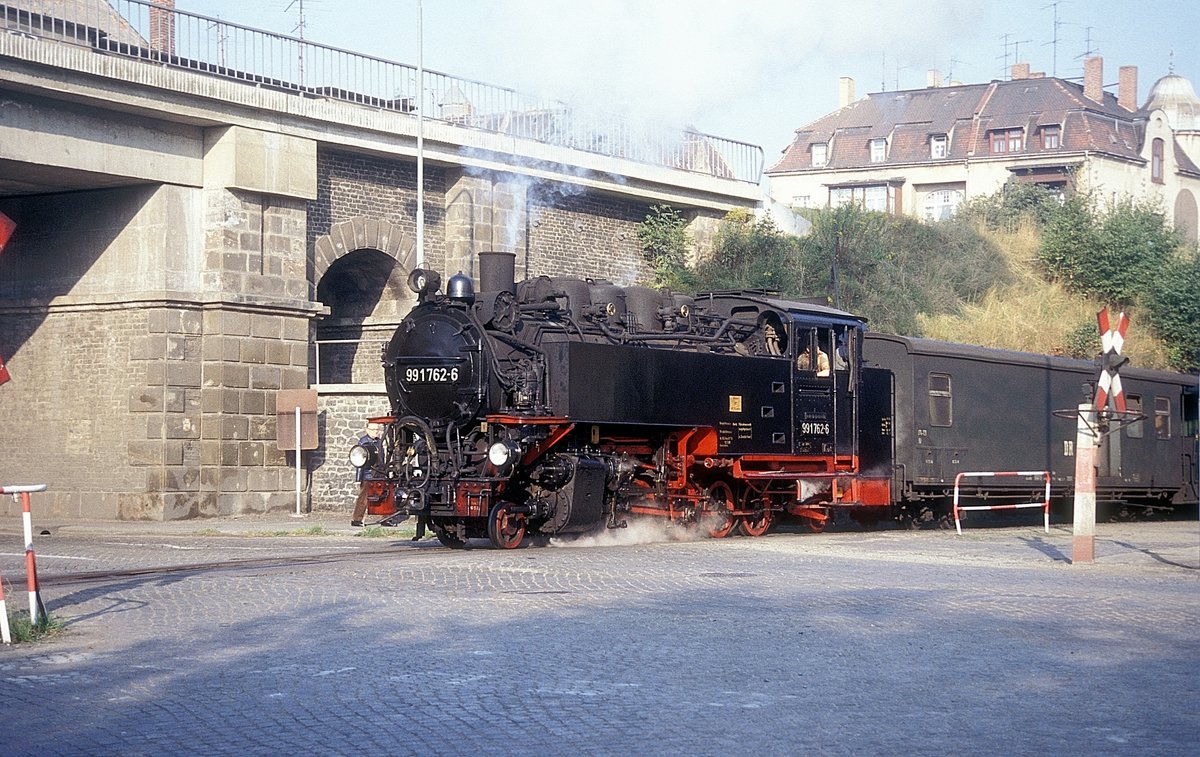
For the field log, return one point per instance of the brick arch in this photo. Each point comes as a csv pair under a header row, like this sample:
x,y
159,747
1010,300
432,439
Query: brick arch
x,y
362,233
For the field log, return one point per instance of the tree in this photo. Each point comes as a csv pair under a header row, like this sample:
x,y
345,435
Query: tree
x,y
751,254
665,240
1172,303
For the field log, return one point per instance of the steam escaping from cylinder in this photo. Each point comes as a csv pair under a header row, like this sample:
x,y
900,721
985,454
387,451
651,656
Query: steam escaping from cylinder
x,y
639,530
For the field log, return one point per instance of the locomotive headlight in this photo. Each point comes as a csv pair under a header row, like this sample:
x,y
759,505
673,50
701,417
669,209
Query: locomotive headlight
x,y
360,456
501,454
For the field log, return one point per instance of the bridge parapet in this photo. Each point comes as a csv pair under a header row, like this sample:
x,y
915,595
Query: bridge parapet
x,y
216,48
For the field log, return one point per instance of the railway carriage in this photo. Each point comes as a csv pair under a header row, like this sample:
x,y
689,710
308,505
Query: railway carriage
x,y
959,408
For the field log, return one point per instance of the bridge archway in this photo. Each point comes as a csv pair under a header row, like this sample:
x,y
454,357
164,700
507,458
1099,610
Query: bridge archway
x,y
360,270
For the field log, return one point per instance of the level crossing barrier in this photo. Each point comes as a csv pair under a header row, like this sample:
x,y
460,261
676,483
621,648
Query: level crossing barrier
x,y
1045,505
37,611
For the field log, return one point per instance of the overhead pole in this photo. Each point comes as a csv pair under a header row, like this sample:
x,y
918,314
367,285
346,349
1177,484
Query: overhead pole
x,y
420,136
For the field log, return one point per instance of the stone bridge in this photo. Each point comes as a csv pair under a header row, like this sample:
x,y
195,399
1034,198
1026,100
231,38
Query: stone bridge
x,y
192,238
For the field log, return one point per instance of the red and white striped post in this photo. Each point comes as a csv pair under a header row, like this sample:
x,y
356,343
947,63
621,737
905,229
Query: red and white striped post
x,y
1083,541
5,633
37,611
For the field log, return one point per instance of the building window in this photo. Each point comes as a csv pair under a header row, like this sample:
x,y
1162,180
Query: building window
x,y
1133,403
801,201
942,204
880,197
878,150
1050,138
1010,140
1162,417
1156,161
937,147
941,402
819,153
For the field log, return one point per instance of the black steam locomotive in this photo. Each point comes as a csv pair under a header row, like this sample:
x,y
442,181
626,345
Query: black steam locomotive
x,y
559,406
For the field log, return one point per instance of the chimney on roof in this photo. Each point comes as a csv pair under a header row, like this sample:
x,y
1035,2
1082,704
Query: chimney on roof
x,y
1037,75
845,91
1127,96
933,78
162,26
1020,71
1093,78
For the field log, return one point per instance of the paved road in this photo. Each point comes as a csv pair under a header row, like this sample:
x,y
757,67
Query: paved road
x,y
844,643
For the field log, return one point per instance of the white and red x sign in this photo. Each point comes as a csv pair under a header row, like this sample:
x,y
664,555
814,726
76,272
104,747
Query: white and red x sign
x,y
1111,341
6,229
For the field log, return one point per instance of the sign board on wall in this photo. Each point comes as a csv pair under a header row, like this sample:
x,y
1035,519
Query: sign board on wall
x,y
286,402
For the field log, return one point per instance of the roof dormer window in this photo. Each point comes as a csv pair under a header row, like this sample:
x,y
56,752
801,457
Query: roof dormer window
x,y
1007,140
938,144
878,150
1050,137
820,152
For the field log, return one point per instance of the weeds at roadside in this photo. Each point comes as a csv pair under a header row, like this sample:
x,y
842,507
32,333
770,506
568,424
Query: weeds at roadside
x,y
403,531
310,531
24,630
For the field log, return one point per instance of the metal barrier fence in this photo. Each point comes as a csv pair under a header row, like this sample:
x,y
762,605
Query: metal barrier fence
x,y
212,46
1044,505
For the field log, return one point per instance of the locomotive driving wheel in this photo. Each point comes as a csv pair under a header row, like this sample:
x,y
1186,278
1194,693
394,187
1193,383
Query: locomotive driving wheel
x,y
506,529
718,518
759,517
447,537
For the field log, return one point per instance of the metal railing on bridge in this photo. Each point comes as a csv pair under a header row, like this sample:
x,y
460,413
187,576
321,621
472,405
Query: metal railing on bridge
x,y
212,46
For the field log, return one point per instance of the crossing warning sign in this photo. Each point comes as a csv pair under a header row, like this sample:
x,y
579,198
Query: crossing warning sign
x,y
1112,339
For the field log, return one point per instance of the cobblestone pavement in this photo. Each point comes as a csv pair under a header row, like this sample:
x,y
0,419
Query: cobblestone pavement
x,y
844,643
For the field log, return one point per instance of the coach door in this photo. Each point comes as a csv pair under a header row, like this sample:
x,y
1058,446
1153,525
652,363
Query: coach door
x,y
823,358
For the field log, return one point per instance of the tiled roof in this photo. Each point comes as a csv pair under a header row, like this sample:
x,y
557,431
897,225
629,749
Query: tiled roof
x,y
965,114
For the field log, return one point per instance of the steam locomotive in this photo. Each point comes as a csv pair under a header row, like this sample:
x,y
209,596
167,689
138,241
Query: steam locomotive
x,y
559,406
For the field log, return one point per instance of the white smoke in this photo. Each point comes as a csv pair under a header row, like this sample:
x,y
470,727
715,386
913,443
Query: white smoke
x,y
645,530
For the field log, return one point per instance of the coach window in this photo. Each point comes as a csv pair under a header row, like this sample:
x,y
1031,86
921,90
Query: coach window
x,y
1162,417
941,401
1133,403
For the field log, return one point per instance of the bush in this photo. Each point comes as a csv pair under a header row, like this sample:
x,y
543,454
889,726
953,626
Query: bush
x,y
1172,304
1014,204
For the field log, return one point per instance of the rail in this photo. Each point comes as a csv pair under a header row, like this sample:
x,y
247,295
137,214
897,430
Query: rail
x,y
976,474
212,46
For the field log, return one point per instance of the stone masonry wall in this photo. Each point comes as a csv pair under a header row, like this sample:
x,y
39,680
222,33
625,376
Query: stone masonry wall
x,y
341,417
586,235
67,420
350,185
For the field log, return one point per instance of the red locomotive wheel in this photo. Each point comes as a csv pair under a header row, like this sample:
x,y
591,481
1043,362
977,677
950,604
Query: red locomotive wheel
x,y
506,529
815,525
759,521
719,520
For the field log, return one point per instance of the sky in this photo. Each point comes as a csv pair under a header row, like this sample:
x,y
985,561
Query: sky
x,y
750,70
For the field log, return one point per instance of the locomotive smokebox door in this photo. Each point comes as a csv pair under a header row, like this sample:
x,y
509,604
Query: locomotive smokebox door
x,y
432,366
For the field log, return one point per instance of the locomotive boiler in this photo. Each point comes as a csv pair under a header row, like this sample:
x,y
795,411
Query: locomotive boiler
x,y
562,405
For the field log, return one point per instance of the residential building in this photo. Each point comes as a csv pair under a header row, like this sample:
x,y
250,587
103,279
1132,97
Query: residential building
x,y
923,152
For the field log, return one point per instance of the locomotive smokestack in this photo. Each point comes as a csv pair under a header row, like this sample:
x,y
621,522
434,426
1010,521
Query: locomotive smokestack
x,y
498,271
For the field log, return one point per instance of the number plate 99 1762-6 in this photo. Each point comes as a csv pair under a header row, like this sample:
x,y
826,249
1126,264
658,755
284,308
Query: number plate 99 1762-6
x,y
435,375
